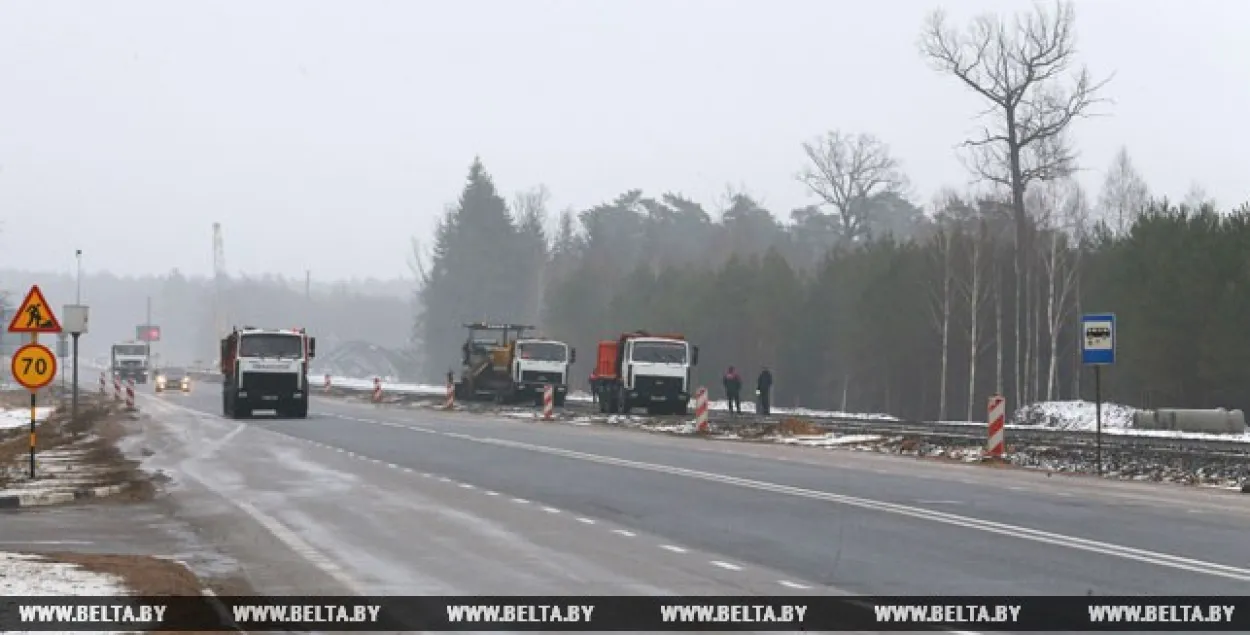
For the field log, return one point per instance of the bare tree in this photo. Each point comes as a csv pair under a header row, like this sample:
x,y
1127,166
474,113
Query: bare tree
x,y
529,209
845,171
1018,69
940,307
1124,194
1197,197
976,290
1062,212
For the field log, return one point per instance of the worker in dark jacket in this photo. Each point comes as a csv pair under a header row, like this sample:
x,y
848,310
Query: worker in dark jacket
x,y
733,390
764,388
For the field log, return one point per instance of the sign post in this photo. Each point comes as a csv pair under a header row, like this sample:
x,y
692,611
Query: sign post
x,y
33,365
1098,350
76,324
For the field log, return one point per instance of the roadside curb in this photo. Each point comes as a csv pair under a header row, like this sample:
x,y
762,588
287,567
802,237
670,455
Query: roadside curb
x,y
15,501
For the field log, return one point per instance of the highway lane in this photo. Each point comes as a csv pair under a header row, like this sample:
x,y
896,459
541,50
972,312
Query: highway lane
x,y
792,514
377,527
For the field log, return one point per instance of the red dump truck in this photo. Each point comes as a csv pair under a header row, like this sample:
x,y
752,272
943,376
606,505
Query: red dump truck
x,y
642,370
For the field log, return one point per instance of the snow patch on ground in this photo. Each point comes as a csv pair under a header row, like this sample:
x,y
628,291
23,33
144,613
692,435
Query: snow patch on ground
x,y
20,417
828,440
1074,415
23,574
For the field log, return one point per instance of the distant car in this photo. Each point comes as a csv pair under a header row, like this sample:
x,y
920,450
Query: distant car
x,y
173,379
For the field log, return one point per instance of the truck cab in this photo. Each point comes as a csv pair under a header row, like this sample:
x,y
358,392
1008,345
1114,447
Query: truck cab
x,y
538,363
129,361
266,369
644,370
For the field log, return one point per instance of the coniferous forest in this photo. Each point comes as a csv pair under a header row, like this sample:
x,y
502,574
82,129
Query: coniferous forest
x,y
872,300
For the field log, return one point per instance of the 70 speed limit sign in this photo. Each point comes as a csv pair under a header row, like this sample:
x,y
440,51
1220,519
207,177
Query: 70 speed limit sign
x,y
34,366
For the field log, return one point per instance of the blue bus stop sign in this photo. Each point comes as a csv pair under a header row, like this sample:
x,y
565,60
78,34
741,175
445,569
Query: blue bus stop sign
x,y
1098,339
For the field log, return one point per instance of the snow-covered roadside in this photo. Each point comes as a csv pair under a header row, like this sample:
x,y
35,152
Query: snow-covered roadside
x,y
30,575
17,418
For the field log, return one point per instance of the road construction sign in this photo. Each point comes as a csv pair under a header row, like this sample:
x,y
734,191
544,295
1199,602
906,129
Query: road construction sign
x,y
35,315
34,366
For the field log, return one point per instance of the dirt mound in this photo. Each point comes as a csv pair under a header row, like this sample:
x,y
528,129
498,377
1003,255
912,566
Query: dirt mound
x,y
793,426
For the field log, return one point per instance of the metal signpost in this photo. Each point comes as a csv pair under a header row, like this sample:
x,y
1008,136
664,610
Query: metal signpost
x,y
76,324
1098,350
34,365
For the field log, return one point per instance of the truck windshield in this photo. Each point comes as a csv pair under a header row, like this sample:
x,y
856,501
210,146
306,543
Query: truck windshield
x,y
271,345
660,352
542,351
130,349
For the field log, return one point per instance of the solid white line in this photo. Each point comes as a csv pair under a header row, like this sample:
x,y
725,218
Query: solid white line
x,y
624,532
988,526
727,565
792,585
673,548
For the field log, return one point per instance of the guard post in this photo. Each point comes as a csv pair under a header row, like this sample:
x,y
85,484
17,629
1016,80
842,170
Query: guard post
x,y
1098,350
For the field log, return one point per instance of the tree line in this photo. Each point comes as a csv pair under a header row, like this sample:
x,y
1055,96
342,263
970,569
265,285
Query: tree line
x,y
872,301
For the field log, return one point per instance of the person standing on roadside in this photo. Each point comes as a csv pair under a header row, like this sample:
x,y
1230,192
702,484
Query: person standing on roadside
x,y
733,390
764,388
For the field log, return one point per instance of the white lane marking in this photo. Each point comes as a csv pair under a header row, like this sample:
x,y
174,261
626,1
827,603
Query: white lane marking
x,y
409,470
427,474
792,585
520,500
551,510
988,526
1063,494
673,548
466,486
727,565
624,532
444,479
490,493
586,521
939,502
46,542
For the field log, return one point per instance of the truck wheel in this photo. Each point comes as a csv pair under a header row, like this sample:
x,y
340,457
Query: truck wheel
x,y
683,409
625,405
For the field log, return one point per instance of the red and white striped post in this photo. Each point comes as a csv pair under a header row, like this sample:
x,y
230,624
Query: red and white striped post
x,y
451,396
130,395
117,388
549,402
700,409
103,385
327,383
377,390
997,417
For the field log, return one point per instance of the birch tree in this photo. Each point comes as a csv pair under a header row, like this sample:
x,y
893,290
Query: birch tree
x,y
1124,195
940,305
1061,207
1018,69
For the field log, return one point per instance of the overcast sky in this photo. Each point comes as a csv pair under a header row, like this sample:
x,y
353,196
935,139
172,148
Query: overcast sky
x,y
323,135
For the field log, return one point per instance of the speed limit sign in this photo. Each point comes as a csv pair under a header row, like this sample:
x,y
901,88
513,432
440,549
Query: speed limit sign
x,y
34,366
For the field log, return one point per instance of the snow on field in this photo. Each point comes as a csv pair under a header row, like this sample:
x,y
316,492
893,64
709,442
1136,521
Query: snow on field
x,y
20,417
23,574
1073,415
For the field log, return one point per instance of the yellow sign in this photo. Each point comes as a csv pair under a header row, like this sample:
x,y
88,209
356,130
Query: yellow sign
x,y
35,316
34,366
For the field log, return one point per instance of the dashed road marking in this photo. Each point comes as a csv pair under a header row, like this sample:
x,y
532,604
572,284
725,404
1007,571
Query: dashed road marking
x,y
624,532
586,521
726,565
466,486
520,500
490,493
792,585
444,479
673,548
551,510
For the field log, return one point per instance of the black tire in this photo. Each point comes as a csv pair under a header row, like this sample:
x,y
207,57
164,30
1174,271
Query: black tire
x,y
626,406
300,409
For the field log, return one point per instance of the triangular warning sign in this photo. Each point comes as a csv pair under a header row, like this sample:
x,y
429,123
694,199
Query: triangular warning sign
x,y
35,315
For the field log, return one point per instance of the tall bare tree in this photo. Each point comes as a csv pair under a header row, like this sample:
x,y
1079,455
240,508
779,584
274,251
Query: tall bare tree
x,y
1062,211
845,171
1124,194
941,301
1018,68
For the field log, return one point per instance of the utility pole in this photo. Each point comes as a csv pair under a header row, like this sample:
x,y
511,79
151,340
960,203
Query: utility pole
x,y
77,322
147,335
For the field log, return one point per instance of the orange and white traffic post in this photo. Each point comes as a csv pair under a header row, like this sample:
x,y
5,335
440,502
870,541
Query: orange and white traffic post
x,y
130,394
327,383
549,402
377,390
103,385
117,388
997,418
700,409
450,404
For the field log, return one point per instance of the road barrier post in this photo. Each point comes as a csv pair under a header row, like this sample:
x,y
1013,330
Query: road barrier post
x,y
997,416
549,398
700,409
377,390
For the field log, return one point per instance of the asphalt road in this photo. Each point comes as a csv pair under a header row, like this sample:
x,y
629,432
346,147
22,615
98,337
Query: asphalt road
x,y
412,500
